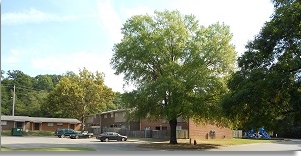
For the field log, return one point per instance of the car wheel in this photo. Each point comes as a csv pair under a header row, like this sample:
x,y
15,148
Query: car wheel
x,y
122,139
59,136
107,139
76,137
62,136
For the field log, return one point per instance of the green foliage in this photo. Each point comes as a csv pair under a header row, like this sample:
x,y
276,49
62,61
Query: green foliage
x,y
31,93
178,66
29,133
43,82
264,92
77,96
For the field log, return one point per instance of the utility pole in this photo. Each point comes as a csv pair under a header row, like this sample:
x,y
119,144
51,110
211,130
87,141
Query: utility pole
x,y
14,97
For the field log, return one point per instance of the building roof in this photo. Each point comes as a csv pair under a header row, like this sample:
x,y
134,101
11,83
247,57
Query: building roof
x,y
38,119
113,111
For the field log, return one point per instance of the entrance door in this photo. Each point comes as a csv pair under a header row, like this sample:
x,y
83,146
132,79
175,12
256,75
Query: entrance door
x,y
19,124
71,126
36,126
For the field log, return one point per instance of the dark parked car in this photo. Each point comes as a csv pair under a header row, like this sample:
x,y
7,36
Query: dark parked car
x,y
81,135
106,136
61,133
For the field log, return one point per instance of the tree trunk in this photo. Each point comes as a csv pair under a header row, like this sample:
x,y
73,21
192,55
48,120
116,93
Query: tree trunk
x,y
83,125
173,132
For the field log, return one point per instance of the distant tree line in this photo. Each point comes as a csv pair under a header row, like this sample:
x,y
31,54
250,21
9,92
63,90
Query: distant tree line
x,y
33,94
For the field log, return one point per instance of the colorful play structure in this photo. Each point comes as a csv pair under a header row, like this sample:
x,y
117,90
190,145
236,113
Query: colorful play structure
x,y
261,134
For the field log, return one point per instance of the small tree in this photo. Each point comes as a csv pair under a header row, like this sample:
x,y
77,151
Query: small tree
x,y
76,96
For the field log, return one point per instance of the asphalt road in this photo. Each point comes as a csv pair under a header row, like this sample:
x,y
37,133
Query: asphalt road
x,y
130,145
33,142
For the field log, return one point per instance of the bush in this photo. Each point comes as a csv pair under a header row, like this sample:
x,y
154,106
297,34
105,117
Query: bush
x,y
29,133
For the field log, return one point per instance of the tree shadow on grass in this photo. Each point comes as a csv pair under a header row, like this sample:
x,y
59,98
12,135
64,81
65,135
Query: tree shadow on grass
x,y
179,146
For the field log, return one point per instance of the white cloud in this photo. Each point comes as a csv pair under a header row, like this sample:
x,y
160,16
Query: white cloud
x,y
110,19
15,56
141,10
73,62
32,16
245,18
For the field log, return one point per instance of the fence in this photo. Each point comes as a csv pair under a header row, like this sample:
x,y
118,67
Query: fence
x,y
158,134
237,133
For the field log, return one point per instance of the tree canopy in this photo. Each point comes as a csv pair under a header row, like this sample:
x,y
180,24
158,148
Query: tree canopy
x,y
179,67
29,93
77,96
266,91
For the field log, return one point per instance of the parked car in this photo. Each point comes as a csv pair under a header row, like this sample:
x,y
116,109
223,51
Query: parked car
x,y
81,135
106,136
61,133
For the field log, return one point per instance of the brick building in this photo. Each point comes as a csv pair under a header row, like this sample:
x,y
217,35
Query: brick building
x,y
38,123
208,131
116,119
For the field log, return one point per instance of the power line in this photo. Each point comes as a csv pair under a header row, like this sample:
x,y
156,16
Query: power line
x,y
24,88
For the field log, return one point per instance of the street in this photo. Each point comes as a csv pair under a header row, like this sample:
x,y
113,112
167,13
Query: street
x,y
131,144
33,142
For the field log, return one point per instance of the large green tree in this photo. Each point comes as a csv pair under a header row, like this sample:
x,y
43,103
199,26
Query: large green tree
x,y
76,96
178,66
266,90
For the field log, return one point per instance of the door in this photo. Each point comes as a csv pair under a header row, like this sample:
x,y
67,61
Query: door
x,y
19,124
71,126
36,126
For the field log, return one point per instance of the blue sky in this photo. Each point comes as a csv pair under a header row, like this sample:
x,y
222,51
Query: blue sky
x,y
55,36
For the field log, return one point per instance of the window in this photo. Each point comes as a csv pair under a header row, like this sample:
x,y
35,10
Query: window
x,y
105,116
164,128
179,128
112,115
116,114
60,124
3,122
181,119
50,124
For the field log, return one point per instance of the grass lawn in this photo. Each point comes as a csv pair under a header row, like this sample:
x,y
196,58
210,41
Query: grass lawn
x,y
48,149
202,144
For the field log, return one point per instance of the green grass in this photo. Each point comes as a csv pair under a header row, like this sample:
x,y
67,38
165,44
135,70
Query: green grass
x,y
202,144
29,133
48,149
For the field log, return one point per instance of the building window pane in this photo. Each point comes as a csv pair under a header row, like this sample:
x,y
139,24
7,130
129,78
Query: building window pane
x,y
3,122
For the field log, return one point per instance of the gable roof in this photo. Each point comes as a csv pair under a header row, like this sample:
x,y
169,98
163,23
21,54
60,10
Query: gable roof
x,y
38,119
114,111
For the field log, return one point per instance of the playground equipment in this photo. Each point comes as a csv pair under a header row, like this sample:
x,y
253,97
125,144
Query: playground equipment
x,y
260,134
251,134
263,133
